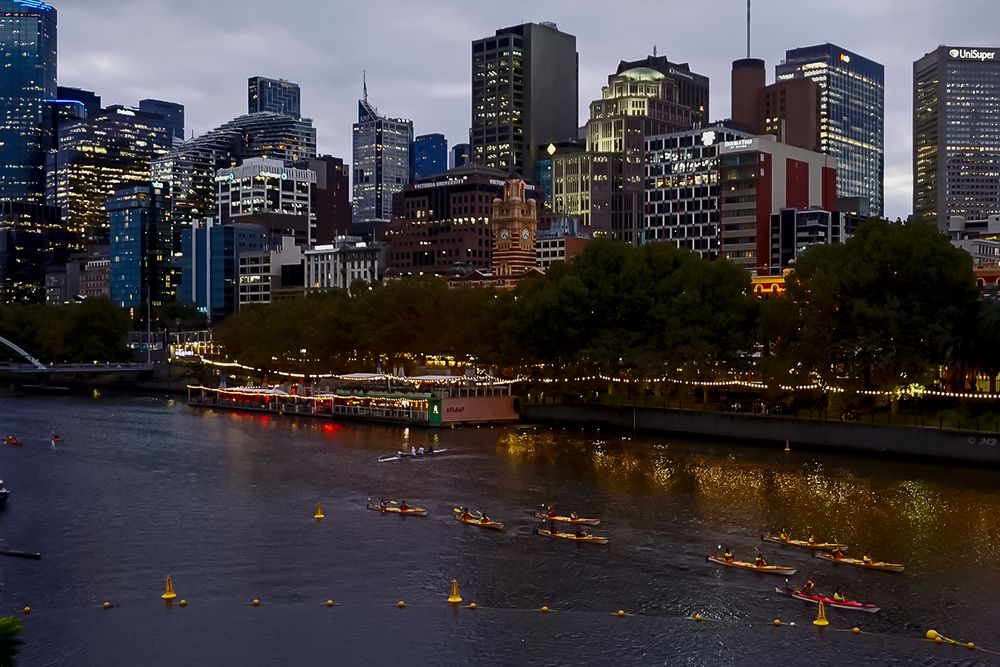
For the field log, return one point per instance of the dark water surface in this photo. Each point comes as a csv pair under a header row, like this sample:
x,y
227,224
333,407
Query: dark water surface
x,y
223,502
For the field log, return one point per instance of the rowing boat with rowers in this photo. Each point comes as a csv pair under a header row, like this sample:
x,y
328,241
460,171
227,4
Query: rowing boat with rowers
x,y
827,600
857,562
399,456
804,544
394,509
596,539
753,567
567,519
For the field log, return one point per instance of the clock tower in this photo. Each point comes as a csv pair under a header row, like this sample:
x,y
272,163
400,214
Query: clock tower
x,y
514,224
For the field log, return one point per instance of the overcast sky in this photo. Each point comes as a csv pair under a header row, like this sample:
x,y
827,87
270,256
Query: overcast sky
x,y
417,52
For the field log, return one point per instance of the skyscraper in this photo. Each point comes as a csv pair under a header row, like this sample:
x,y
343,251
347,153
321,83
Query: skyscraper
x,y
90,100
852,115
27,79
274,95
428,156
381,161
956,134
525,94
331,197
141,275
459,156
94,158
691,87
172,113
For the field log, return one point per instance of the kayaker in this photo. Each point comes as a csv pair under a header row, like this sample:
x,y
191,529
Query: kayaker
x,y
550,511
413,451
727,555
783,536
581,533
420,452
466,516
553,529
808,586
430,449
866,559
838,553
403,507
483,518
574,515
812,539
759,561
837,597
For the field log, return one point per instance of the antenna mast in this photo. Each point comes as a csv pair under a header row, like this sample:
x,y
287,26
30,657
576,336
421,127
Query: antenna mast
x,y
748,28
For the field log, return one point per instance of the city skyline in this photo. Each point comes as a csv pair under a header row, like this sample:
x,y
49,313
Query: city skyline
x,y
208,71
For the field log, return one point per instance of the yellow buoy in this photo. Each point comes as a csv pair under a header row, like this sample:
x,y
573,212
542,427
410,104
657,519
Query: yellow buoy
x,y
454,597
169,595
544,610
698,617
788,446
620,613
319,516
329,603
776,622
255,602
26,610
183,603
970,646
931,634
106,605
821,617
473,605
856,630
400,604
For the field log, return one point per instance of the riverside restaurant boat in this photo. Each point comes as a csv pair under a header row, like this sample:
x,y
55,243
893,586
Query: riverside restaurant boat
x,y
425,400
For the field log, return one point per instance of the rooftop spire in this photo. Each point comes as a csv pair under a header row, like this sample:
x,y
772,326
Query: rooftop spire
x,y
364,82
748,28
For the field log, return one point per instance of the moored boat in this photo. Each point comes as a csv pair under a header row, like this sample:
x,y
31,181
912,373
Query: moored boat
x,y
753,567
568,519
596,539
827,600
482,520
12,440
804,544
394,509
857,562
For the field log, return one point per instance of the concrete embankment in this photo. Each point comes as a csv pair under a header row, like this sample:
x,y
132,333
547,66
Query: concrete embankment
x,y
965,446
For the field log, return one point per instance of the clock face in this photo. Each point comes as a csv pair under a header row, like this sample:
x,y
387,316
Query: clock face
x,y
504,234
525,233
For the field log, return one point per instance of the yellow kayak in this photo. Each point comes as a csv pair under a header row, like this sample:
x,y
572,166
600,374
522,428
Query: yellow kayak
x,y
805,544
596,539
857,562
414,511
743,565
477,521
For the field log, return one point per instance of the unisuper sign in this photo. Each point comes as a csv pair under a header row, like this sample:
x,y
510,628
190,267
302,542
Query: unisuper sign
x,y
972,54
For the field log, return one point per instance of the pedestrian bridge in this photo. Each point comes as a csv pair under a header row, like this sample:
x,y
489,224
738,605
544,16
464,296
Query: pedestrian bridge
x,y
32,368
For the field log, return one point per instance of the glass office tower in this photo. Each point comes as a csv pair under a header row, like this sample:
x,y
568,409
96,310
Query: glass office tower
x,y
142,274
428,156
381,161
956,134
852,115
27,79
274,95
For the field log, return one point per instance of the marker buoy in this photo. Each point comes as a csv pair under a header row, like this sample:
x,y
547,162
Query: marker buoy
x,y
454,597
169,594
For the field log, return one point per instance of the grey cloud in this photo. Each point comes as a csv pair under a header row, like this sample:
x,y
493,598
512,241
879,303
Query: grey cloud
x,y
416,52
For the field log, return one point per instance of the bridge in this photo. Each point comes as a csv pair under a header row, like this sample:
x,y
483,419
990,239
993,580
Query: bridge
x,y
31,370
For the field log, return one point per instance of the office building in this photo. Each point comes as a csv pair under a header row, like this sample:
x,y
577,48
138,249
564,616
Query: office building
x,y
691,87
210,264
94,158
852,115
331,197
190,167
788,109
559,240
339,264
142,275
428,156
794,230
681,203
273,95
956,134
268,193
441,226
459,156
525,94
28,39
381,161
272,275
758,177
90,100
173,116
32,240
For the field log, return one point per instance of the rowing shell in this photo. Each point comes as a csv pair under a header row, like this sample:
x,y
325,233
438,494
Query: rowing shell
x,y
415,511
743,565
567,519
805,544
828,601
408,455
596,539
874,565
473,521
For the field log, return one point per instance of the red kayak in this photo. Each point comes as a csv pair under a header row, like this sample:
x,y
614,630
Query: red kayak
x,y
827,600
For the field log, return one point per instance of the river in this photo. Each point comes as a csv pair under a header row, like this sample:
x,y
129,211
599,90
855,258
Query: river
x,y
144,487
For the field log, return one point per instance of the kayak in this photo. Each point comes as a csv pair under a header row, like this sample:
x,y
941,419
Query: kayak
x,y
567,519
408,455
743,565
596,539
805,544
827,600
474,521
414,511
857,562
12,440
